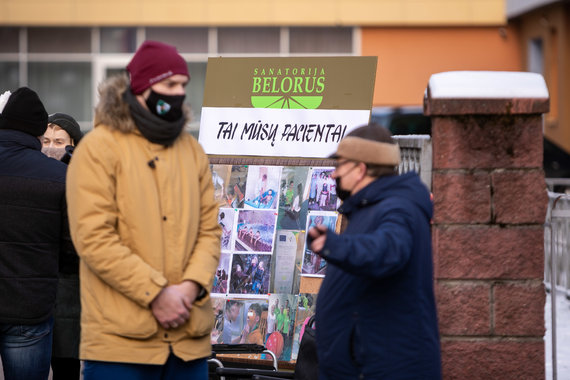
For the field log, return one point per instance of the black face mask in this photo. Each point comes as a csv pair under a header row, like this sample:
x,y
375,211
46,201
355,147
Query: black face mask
x,y
167,107
341,193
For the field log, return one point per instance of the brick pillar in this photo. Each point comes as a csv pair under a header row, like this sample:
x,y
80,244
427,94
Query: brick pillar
x,y
490,204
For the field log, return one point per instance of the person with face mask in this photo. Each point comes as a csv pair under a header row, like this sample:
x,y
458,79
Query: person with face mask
x,y
59,140
145,225
376,315
61,136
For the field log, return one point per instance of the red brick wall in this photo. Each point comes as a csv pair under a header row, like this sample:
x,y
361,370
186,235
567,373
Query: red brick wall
x,y
490,204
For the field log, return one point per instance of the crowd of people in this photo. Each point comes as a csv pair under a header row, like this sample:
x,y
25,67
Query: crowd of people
x,y
105,258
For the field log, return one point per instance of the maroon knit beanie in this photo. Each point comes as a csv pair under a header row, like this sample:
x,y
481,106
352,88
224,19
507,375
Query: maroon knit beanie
x,y
153,62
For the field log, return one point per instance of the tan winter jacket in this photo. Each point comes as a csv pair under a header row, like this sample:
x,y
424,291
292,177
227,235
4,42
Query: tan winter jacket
x,y
137,229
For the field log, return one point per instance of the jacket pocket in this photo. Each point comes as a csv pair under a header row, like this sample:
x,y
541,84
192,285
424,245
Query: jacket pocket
x,y
201,319
126,318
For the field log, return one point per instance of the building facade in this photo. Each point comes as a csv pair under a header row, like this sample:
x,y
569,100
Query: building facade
x,y
64,49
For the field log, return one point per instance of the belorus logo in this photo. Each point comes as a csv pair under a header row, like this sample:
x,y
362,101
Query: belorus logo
x,y
289,87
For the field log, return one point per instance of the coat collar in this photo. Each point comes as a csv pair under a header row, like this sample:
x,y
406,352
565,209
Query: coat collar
x,y
14,137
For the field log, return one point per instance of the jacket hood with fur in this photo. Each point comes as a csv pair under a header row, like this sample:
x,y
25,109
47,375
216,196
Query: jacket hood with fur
x,y
112,110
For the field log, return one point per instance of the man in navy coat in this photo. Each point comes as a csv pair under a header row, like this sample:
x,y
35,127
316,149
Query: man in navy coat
x,y
376,315
34,234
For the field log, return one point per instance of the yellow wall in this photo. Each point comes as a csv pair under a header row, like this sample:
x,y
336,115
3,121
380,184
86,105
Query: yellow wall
x,y
252,12
407,57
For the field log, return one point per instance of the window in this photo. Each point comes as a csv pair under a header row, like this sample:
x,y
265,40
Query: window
x,y
248,40
9,76
63,87
320,40
65,68
118,40
59,40
535,56
186,40
10,40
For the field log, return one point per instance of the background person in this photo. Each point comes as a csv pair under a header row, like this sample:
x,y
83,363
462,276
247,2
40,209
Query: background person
x,y
33,234
61,137
63,133
376,315
144,222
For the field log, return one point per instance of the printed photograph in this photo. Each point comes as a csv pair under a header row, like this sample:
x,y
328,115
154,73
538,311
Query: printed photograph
x,y
280,325
222,275
226,217
250,273
293,203
262,190
220,179
314,264
218,304
322,190
305,310
252,322
232,324
236,187
255,231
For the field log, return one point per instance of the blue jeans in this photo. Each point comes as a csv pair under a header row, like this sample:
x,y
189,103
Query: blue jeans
x,y
26,350
173,369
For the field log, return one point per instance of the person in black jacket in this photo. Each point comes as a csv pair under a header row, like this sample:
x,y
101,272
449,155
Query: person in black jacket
x,y
59,140
33,234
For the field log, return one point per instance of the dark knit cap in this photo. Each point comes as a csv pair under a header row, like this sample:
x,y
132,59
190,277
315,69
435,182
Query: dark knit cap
x,y
154,61
24,111
68,124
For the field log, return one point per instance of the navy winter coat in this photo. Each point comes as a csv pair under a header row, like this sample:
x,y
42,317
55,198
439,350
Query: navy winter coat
x,y
33,228
376,314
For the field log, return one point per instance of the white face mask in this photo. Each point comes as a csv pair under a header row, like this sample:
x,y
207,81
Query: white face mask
x,y
52,152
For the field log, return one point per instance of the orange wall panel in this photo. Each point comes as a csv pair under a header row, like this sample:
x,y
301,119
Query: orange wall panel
x,y
407,57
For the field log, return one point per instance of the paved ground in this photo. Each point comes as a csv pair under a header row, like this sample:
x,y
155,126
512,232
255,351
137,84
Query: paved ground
x,y
562,337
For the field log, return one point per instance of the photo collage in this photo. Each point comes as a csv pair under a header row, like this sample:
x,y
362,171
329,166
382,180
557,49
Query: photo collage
x,y
264,213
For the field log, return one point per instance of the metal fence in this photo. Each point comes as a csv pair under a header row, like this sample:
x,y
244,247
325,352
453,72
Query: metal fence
x,y
557,258
415,153
557,242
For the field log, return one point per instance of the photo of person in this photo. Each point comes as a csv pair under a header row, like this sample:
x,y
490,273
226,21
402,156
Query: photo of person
x,y
226,218
250,273
293,204
218,304
220,179
314,264
235,189
322,190
253,320
305,310
280,325
221,277
262,187
255,230
232,321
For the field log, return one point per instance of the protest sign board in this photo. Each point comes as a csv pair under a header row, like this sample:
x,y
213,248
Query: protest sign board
x,y
284,107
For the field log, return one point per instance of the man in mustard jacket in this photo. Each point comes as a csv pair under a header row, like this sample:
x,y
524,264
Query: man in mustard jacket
x,y
144,222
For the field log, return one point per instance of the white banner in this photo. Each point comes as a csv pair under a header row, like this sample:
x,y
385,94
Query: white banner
x,y
311,133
